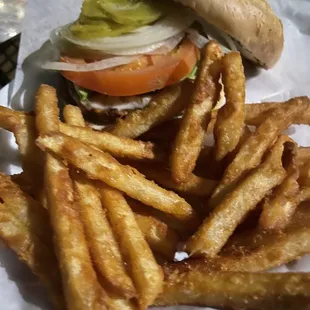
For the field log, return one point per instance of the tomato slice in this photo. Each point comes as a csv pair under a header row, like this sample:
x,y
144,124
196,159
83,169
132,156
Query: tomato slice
x,y
147,74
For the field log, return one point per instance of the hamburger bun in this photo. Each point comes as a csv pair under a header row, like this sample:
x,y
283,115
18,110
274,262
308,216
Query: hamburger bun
x,y
252,24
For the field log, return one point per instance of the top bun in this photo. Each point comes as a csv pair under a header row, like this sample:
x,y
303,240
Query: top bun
x,y
252,24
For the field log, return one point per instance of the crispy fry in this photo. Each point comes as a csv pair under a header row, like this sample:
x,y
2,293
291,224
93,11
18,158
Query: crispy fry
x,y
71,247
73,116
189,139
147,275
24,227
167,104
102,166
256,250
102,243
253,149
117,146
230,118
280,207
161,239
22,125
219,226
258,112
162,175
194,284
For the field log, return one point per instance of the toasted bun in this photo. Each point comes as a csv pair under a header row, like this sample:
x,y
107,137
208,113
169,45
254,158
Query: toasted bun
x,y
252,24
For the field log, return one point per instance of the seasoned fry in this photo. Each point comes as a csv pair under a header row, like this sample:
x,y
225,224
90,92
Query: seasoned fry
x,y
117,146
162,175
102,243
256,250
253,149
71,247
102,166
24,227
280,207
257,113
194,284
161,239
219,226
189,139
147,275
167,104
230,118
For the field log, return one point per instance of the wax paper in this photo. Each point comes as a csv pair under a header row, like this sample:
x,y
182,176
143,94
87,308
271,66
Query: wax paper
x,y
19,289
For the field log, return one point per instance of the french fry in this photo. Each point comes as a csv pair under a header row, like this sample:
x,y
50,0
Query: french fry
x,y
117,146
257,250
102,166
71,247
280,207
189,139
219,226
257,113
22,125
101,241
162,175
194,284
253,149
24,227
73,116
161,239
164,106
147,275
229,125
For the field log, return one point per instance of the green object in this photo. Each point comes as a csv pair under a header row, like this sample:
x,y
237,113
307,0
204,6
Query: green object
x,y
193,74
110,18
83,94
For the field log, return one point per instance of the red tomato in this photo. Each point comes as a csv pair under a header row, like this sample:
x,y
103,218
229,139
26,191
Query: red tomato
x,y
147,74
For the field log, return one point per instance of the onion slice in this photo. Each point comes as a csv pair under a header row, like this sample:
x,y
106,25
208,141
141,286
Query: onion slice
x,y
160,31
93,66
196,38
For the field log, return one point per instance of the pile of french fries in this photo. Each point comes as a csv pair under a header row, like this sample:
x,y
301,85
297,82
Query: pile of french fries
x,y
98,216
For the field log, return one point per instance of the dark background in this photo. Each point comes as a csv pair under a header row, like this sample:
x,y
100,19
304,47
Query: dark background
x,y
8,60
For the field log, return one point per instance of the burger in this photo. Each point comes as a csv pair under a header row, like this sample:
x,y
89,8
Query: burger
x,y
119,53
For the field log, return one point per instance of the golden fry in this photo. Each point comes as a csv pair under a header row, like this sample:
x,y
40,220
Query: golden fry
x,y
189,139
194,284
161,239
102,243
257,250
24,227
253,149
258,112
163,107
162,175
73,116
117,146
280,207
71,247
102,166
220,225
229,125
147,275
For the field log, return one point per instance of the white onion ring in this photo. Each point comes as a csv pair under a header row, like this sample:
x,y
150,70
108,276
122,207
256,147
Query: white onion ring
x,y
160,31
196,38
93,66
